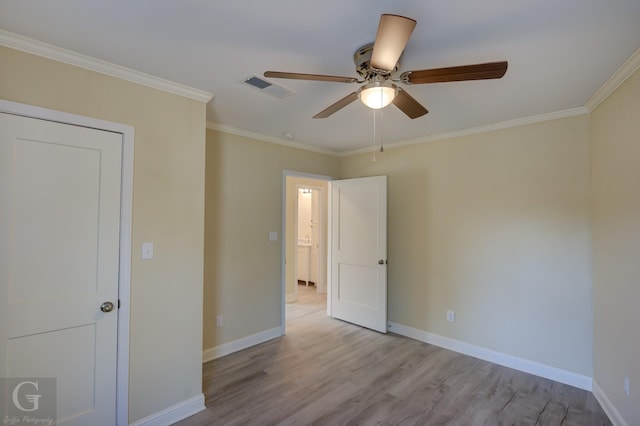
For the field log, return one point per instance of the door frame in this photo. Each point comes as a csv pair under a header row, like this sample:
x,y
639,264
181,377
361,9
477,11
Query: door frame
x,y
126,203
283,284
320,194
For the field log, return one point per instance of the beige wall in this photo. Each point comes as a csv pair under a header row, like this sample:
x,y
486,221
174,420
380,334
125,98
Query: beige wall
x,y
243,269
494,226
168,208
615,128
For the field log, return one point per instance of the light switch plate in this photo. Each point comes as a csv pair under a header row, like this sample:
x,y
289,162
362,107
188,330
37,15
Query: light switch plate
x,y
147,251
273,236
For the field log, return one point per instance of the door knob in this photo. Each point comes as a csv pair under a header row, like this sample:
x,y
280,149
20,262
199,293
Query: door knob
x,y
380,262
106,307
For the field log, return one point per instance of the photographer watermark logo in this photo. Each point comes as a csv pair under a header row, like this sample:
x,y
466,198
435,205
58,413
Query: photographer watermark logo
x,y
28,401
33,399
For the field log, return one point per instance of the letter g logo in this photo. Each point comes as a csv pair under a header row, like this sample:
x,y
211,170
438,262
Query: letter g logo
x,y
33,399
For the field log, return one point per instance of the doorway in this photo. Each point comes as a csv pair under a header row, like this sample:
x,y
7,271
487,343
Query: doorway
x,y
356,214
305,237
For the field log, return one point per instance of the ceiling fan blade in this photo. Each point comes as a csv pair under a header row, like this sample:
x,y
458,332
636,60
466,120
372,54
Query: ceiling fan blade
x,y
407,104
337,106
467,72
392,37
314,77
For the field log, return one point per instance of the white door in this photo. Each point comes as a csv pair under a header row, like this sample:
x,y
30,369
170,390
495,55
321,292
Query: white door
x,y
359,251
59,260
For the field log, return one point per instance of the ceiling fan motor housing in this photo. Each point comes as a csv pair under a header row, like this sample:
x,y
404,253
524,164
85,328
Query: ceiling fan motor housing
x,y
362,59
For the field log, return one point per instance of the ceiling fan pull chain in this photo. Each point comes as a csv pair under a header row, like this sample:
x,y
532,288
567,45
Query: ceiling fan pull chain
x,y
381,132
374,136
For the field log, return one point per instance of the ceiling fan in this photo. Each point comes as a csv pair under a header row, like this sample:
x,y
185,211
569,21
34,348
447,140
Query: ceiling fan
x,y
377,62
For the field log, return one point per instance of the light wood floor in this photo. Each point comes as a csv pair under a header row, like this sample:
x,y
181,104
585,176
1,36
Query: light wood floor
x,y
327,372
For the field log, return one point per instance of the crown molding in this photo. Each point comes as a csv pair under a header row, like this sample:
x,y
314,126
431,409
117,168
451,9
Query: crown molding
x,y
70,57
440,136
258,136
625,71
479,129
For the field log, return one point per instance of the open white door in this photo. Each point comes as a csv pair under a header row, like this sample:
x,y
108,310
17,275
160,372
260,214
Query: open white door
x,y
60,189
359,251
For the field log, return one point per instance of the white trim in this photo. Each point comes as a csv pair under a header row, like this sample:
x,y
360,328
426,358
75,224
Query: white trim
x,y
531,367
124,288
174,414
312,176
124,277
323,236
265,138
627,69
329,251
283,259
240,344
476,130
440,136
608,407
70,57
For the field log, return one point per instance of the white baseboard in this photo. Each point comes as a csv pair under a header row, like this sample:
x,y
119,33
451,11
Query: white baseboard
x,y
532,367
240,344
173,414
608,407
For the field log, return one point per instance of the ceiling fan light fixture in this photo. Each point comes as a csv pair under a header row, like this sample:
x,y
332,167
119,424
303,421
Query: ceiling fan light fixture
x,y
378,95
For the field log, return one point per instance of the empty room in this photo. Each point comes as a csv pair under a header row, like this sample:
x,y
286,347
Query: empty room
x,y
469,255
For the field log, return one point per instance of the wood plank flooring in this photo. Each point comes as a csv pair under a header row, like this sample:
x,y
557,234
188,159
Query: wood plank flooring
x,y
328,372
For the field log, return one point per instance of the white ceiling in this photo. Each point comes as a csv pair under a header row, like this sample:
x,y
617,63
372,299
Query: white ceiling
x,y
559,52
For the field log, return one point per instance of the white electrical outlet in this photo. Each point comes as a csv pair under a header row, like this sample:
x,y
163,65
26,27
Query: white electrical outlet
x,y
451,316
626,386
219,321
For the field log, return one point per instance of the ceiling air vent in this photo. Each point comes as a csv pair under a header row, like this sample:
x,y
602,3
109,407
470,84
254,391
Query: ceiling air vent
x,y
268,87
